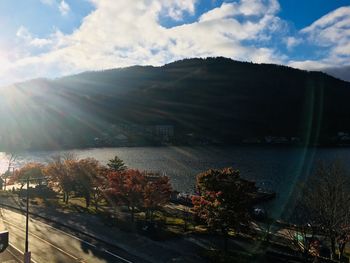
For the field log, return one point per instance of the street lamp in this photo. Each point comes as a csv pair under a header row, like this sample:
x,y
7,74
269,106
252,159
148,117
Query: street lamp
x,y
27,253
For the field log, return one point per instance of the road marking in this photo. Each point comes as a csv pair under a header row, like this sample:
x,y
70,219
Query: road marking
x,y
88,243
77,238
47,242
20,260
114,255
58,230
65,233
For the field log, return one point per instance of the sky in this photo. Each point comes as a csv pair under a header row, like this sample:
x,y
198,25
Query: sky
x,y
53,38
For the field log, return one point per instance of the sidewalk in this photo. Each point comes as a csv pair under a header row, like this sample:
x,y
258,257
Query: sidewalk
x,y
7,257
172,250
11,255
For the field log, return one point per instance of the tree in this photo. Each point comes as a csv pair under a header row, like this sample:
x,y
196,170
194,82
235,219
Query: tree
x,y
7,174
116,164
99,185
224,200
32,171
59,177
85,177
126,188
325,202
156,193
84,174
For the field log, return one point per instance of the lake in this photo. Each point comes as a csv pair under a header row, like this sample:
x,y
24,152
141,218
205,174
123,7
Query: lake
x,y
276,168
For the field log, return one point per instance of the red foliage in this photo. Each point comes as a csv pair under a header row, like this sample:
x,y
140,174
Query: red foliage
x,y
135,189
126,188
157,192
33,171
225,199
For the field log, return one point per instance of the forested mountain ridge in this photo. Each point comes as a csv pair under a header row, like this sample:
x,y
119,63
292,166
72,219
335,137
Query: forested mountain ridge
x,y
339,72
219,99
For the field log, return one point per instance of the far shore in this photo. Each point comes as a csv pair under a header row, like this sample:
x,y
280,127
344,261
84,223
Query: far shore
x,y
246,145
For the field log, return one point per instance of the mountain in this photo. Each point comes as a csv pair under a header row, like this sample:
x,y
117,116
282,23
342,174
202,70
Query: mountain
x,y
221,100
339,72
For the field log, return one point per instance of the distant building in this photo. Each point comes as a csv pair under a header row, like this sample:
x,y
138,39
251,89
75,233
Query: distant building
x,y
252,140
121,138
158,132
295,139
276,139
343,136
164,130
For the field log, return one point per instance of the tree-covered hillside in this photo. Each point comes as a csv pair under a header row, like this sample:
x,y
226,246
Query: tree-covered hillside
x,y
219,99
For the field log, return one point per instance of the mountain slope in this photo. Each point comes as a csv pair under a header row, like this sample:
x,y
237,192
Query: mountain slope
x,y
339,72
216,98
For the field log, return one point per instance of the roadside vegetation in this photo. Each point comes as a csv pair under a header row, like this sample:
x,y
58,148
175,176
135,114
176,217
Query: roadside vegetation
x,y
223,209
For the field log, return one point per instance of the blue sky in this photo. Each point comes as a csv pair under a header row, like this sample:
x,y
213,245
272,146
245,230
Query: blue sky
x,y
51,38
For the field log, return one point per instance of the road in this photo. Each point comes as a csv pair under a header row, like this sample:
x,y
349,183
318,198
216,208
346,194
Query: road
x,y
49,244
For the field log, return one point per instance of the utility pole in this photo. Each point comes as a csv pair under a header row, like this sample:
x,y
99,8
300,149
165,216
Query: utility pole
x,y
27,253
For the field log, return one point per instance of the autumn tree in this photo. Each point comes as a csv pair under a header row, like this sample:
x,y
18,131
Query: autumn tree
x,y
32,171
156,193
11,160
99,185
126,188
325,202
59,176
84,173
116,164
224,200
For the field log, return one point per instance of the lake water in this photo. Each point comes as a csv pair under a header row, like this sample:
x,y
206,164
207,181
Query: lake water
x,y
276,168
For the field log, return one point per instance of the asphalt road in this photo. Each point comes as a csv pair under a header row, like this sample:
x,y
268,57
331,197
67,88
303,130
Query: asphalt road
x,y
49,244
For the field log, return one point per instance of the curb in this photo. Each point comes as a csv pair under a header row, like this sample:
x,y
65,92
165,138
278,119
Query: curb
x,y
17,253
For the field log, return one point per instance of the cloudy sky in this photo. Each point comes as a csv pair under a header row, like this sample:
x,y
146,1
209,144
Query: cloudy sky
x,y
51,38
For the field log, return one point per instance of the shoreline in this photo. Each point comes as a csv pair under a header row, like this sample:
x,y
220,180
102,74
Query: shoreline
x,y
198,146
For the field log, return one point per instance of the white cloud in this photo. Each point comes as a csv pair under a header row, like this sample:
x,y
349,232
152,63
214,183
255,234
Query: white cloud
x,y
24,34
128,32
64,8
244,7
292,42
122,33
331,30
330,33
329,20
177,8
226,10
309,64
259,7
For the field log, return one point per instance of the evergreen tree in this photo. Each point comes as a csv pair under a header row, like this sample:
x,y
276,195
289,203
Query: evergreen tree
x,y
116,164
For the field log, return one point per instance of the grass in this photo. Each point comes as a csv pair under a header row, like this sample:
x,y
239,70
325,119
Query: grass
x,y
75,204
173,222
